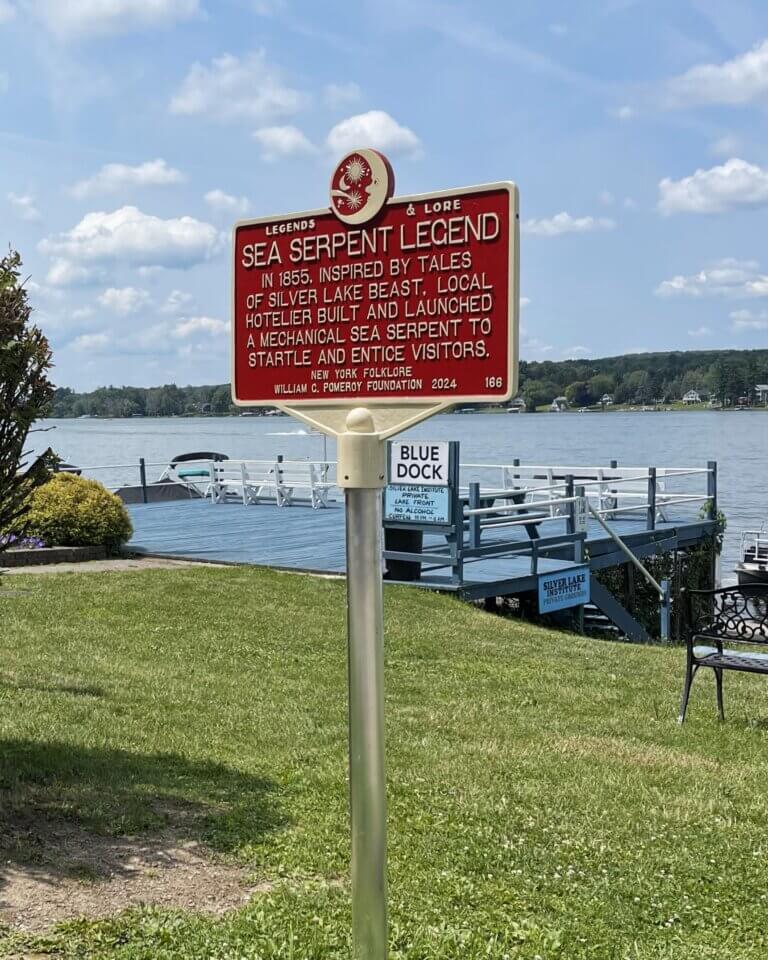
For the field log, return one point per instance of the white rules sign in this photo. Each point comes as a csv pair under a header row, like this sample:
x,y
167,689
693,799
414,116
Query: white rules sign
x,y
425,464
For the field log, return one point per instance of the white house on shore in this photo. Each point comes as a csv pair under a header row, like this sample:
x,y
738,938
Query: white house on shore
x,y
559,404
692,396
761,390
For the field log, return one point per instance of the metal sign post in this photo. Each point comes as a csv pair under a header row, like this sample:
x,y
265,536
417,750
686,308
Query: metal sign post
x,y
363,319
362,474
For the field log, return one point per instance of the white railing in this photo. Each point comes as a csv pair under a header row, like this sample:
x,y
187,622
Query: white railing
x,y
613,491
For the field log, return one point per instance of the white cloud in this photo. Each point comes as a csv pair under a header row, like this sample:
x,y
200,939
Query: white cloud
x,y
340,94
278,142
7,11
24,205
192,325
577,351
737,81
700,332
231,88
726,146
76,18
737,279
623,113
565,223
748,320
39,290
82,313
734,183
176,302
90,342
64,273
115,176
129,236
225,203
124,300
532,345
373,129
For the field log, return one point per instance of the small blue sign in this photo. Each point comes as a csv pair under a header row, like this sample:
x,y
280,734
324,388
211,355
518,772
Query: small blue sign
x,y
563,589
411,503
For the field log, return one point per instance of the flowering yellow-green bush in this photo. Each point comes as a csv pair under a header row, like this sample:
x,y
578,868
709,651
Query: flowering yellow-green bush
x,y
70,511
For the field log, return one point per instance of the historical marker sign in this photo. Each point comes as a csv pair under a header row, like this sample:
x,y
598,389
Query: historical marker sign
x,y
418,304
362,319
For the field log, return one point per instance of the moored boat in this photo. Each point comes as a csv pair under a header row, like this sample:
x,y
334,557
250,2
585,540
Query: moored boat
x,y
753,566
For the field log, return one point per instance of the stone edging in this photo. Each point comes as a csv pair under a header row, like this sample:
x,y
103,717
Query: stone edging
x,y
45,555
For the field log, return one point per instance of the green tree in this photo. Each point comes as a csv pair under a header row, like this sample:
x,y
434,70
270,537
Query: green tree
x,y
578,394
600,384
25,396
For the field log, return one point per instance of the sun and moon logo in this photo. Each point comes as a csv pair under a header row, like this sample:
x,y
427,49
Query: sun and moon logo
x,y
360,186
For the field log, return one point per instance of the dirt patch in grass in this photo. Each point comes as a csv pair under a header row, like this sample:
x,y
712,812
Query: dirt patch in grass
x,y
75,873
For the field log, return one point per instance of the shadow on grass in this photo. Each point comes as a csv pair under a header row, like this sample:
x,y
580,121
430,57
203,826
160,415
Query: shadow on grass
x,y
76,689
68,811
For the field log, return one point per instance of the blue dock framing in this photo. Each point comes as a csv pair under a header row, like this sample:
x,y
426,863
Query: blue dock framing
x,y
499,541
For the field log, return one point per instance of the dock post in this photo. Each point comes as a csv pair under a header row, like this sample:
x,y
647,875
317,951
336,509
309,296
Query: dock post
x,y
665,610
570,523
651,498
712,487
712,494
614,464
578,545
578,557
474,522
143,479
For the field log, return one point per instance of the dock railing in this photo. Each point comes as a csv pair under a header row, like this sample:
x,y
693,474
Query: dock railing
x,y
646,494
507,513
116,476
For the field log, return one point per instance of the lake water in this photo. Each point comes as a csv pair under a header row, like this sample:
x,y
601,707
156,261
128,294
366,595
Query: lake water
x,y
737,440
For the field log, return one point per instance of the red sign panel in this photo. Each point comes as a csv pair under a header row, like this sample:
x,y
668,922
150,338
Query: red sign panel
x,y
418,304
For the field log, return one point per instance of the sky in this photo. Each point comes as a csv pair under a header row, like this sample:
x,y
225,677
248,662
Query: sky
x,y
133,133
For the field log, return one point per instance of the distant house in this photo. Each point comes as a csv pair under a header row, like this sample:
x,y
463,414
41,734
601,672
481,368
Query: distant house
x,y
761,389
558,405
607,400
517,405
692,396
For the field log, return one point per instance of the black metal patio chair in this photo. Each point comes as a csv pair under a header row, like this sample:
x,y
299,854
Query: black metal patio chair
x,y
717,621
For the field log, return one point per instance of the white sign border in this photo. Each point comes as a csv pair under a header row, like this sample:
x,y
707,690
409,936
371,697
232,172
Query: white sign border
x,y
436,403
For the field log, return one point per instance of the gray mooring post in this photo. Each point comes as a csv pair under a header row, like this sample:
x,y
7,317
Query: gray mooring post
x,y
665,610
143,478
362,475
651,498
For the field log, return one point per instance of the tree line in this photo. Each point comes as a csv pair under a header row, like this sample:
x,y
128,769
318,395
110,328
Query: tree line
x,y
728,376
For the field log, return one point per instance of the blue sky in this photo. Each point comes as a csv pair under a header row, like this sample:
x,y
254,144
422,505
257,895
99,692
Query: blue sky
x,y
134,132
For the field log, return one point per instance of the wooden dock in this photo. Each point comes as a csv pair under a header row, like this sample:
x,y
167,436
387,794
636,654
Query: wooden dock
x,y
299,538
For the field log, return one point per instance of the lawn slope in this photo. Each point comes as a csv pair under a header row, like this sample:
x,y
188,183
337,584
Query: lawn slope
x,y
543,801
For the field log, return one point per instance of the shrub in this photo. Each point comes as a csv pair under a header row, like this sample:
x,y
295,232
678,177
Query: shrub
x,y
71,511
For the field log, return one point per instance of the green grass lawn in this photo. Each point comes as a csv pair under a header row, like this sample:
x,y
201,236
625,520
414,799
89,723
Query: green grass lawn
x,y
543,801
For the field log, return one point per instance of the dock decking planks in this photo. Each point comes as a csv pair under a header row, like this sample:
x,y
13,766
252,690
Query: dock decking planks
x,y
299,538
